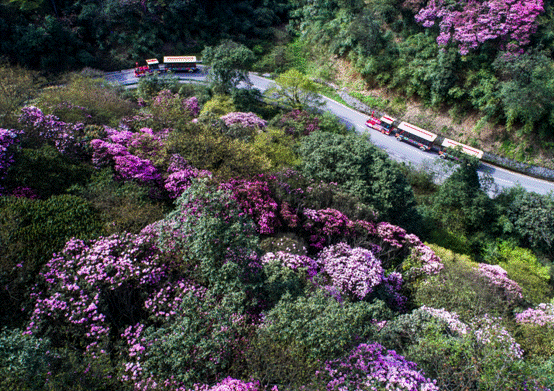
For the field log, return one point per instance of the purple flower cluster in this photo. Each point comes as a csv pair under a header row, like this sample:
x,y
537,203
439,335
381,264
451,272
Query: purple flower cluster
x,y
470,23
77,279
181,175
498,277
7,139
246,120
292,261
371,367
354,272
24,192
299,122
50,128
488,331
541,315
128,166
255,199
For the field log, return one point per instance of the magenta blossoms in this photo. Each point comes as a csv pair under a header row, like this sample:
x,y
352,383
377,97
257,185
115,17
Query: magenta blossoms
x,y
470,23
371,367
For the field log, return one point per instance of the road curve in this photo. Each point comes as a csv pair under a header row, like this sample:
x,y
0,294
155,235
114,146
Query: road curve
x,y
397,150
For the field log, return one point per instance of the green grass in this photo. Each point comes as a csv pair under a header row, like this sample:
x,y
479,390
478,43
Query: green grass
x,y
372,101
331,94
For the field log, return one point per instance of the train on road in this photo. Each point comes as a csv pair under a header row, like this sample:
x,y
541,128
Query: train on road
x,y
421,138
175,64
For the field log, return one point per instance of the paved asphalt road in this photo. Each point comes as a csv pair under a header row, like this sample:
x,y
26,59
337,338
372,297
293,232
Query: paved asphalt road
x,y
397,150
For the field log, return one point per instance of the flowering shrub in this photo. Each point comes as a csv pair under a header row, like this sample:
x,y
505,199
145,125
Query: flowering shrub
x,y
498,277
91,287
65,137
256,200
471,23
490,332
536,330
541,315
181,175
7,139
200,343
292,261
370,366
299,122
451,319
247,120
127,166
354,272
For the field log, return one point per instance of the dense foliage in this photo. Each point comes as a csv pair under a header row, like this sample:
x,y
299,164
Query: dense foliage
x,y
195,237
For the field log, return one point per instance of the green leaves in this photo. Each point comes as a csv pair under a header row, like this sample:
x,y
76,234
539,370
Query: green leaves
x,y
229,63
294,91
363,170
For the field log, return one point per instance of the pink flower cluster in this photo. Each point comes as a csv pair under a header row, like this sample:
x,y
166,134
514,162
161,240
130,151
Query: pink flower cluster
x,y
471,22
292,261
541,315
255,199
7,139
246,120
354,272
50,128
371,367
498,277
84,274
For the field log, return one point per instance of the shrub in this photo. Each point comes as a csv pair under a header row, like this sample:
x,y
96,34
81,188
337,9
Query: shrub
x,y
30,232
86,100
299,334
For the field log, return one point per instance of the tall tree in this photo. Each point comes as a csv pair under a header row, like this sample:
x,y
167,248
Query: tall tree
x,y
229,63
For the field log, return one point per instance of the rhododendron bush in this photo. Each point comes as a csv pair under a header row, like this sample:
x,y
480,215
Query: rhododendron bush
x,y
257,282
472,23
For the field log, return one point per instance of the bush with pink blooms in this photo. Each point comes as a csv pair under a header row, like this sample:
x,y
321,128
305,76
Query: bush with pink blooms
x,y
472,23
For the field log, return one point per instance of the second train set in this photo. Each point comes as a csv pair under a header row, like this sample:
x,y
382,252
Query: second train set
x,y
420,138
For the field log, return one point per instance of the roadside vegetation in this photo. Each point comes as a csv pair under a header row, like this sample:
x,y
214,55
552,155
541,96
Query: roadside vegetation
x,y
206,237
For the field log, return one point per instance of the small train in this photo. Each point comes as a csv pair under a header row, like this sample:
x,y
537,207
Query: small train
x,y
173,64
421,138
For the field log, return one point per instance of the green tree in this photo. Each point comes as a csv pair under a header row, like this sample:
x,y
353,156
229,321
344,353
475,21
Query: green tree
x,y
461,205
295,91
229,63
532,216
363,170
300,333
527,90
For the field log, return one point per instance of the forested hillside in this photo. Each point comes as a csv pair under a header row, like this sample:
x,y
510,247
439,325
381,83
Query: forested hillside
x,y
198,236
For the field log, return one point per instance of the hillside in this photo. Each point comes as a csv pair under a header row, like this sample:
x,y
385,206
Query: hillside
x,y
204,237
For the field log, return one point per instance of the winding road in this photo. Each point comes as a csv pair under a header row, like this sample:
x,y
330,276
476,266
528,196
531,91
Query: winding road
x,y
397,150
